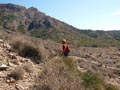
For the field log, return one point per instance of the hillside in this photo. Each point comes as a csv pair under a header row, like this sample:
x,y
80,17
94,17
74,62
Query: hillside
x,y
33,22
37,24
103,35
30,53
44,69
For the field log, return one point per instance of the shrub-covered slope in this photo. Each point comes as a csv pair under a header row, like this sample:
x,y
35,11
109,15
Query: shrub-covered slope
x,y
37,24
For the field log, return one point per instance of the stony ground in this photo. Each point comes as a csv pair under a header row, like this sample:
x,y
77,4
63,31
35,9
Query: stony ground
x,y
103,61
10,62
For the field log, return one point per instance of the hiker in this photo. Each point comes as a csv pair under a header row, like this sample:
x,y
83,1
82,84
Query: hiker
x,y
65,48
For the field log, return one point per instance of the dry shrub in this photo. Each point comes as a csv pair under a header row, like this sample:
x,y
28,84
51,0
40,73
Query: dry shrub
x,y
3,35
117,72
93,81
69,63
58,76
17,74
16,44
27,46
28,68
36,49
30,51
27,49
42,87
110,87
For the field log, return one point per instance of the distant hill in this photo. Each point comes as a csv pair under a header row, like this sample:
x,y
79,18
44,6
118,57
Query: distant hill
x,y
106,35
31,21
35,23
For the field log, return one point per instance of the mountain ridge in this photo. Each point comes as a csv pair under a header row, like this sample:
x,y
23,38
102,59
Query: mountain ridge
x,y
37,24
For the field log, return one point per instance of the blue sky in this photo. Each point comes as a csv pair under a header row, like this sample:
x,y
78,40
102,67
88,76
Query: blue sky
x,y
83,14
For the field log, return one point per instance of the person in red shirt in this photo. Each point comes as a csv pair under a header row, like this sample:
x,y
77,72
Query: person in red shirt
x,y
65,48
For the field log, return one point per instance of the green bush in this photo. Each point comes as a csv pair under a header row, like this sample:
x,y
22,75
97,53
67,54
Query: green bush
x,y
21,30
8,17
92,81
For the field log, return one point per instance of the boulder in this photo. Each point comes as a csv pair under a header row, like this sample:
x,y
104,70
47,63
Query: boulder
x,y
12,56
3,67
2,75
1,41
10,64
12,80
19,87
7,81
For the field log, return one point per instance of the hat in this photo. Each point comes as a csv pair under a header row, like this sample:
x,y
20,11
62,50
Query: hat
x,y
64,40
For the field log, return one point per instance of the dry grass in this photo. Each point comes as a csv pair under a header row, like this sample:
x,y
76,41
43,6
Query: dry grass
x,y
28,50
62,74
58,76
110,87
92,81
42,87
17,74
28,67
34,48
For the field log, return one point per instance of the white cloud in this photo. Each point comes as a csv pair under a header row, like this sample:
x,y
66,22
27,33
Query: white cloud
x,y
116,13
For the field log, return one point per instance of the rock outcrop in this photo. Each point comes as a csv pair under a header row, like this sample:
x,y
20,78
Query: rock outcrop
x,y
17,17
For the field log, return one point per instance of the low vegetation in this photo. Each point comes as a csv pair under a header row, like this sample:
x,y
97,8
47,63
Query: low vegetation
x,y
27,49
92,81
38,50
69,63
62,74
59,73
110,87
28,68
117,72
17,74
44,48
8,17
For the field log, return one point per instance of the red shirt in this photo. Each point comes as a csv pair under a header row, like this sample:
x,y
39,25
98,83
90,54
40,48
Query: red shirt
x,y
65,47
